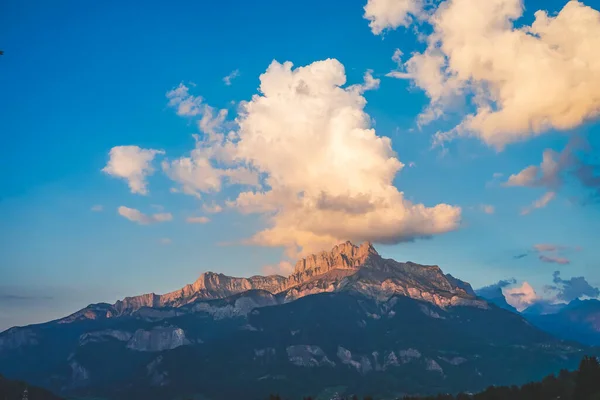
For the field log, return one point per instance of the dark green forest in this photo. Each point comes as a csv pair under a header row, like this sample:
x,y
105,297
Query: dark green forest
x,y
583,384
14,390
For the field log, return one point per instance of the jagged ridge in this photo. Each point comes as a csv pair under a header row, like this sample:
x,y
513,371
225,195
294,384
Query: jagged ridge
x,y
346,267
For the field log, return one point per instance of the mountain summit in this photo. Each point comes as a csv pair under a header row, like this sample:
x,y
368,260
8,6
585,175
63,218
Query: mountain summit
x,y
346,267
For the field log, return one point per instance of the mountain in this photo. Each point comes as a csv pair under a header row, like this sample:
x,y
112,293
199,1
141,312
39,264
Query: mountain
x,y
493,294
578,321
543,308
346,321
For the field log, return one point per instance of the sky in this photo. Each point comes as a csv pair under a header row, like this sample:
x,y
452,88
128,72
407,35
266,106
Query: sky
x,y
142,146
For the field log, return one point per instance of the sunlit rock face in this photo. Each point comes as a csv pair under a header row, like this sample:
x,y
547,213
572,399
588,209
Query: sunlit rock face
x,y
363,270
346,267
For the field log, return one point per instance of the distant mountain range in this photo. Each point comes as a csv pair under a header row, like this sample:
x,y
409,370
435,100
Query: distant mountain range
x,y
578,321
345,321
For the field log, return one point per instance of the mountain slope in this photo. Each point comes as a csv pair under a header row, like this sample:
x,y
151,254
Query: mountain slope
x,y
346,319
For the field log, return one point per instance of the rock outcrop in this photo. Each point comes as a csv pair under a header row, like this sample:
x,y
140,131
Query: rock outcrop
x,y
345,268
17,337
158,339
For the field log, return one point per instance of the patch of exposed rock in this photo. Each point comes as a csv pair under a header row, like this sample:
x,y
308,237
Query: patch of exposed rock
x,y
408,355
80,376
454,360
157,377
432,365
102,336
17,337
157,339
361,363
308,356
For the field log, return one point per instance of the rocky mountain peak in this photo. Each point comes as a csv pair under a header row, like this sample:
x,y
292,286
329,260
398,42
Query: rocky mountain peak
x,y
345,267
343,256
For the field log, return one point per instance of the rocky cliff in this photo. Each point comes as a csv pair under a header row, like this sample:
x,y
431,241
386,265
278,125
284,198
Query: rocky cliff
x,y
345,267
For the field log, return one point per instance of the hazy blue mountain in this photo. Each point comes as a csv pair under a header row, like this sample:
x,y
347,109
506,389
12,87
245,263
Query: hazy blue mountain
x,y
493,294
578,321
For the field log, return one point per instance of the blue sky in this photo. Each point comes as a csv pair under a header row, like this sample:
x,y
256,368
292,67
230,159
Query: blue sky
x,y
80,78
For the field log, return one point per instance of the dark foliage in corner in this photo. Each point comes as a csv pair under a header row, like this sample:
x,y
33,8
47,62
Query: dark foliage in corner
x,y
14,390
583,384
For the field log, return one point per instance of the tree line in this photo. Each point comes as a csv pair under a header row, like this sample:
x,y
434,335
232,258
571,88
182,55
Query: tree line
x,y
582,384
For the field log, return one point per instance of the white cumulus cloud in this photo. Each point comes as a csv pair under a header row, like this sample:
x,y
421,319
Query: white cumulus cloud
x,y
520,297
317,170
329,175
390,14
132,164
522,81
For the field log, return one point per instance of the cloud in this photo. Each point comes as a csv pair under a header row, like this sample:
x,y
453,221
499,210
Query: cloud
x,y
494,289
488,209
212,208
522,81
143,219
549,174
520,297
554,259
97,208
555,170
390,14
132,164
539,203
552,253
197,220
6,297
330,177
165,241
198,174
211,122
184,104
234,74
212,160
284,268
543,247
317,170
574,288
